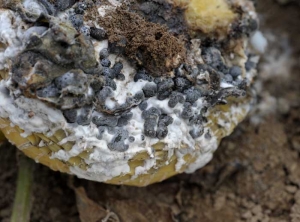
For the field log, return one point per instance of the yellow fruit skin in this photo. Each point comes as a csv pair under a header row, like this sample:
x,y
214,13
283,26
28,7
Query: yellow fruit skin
x,y
208,16
29,148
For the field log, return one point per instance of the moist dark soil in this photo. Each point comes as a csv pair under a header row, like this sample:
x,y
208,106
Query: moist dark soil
x,y
254,175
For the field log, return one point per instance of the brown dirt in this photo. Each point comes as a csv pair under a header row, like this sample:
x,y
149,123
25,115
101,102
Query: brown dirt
x,y
253,177
148,44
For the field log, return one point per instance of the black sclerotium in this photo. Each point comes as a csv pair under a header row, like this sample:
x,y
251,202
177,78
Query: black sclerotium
x,y
158,80
196,120
76,20
175,98
161,131
130,101
162,126
192,76
118,47
101,130
197,132
48,6
48,92
138,97
150,89
85,30
131,139
180,72
62,5
150,126
165,119
105,120
98,33
124,119
80,8
228,78
105,62
249,64
164,89
70,115
117,143
97,85
151,112
103,94
207,136
243,86
187,111
143,105
111,130
212,56
235,71
34,41
118,66
104,53
143,76
85,116
68,79
120,77
192,95
108,72
111,83
182,84
244,28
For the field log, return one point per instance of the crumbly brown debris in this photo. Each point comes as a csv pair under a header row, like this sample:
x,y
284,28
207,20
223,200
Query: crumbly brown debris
x,y
8,3
148,44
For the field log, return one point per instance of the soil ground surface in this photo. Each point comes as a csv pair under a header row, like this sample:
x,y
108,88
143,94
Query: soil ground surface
x,y
254,175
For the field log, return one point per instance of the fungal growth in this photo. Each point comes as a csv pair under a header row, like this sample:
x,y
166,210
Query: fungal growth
x,y
137,86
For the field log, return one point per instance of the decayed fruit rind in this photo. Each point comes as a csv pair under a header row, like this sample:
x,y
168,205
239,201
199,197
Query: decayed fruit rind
x,y
30,147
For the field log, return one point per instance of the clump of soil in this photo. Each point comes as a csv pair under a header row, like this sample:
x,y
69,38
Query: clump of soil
x,y
8,3
163,13
148,44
